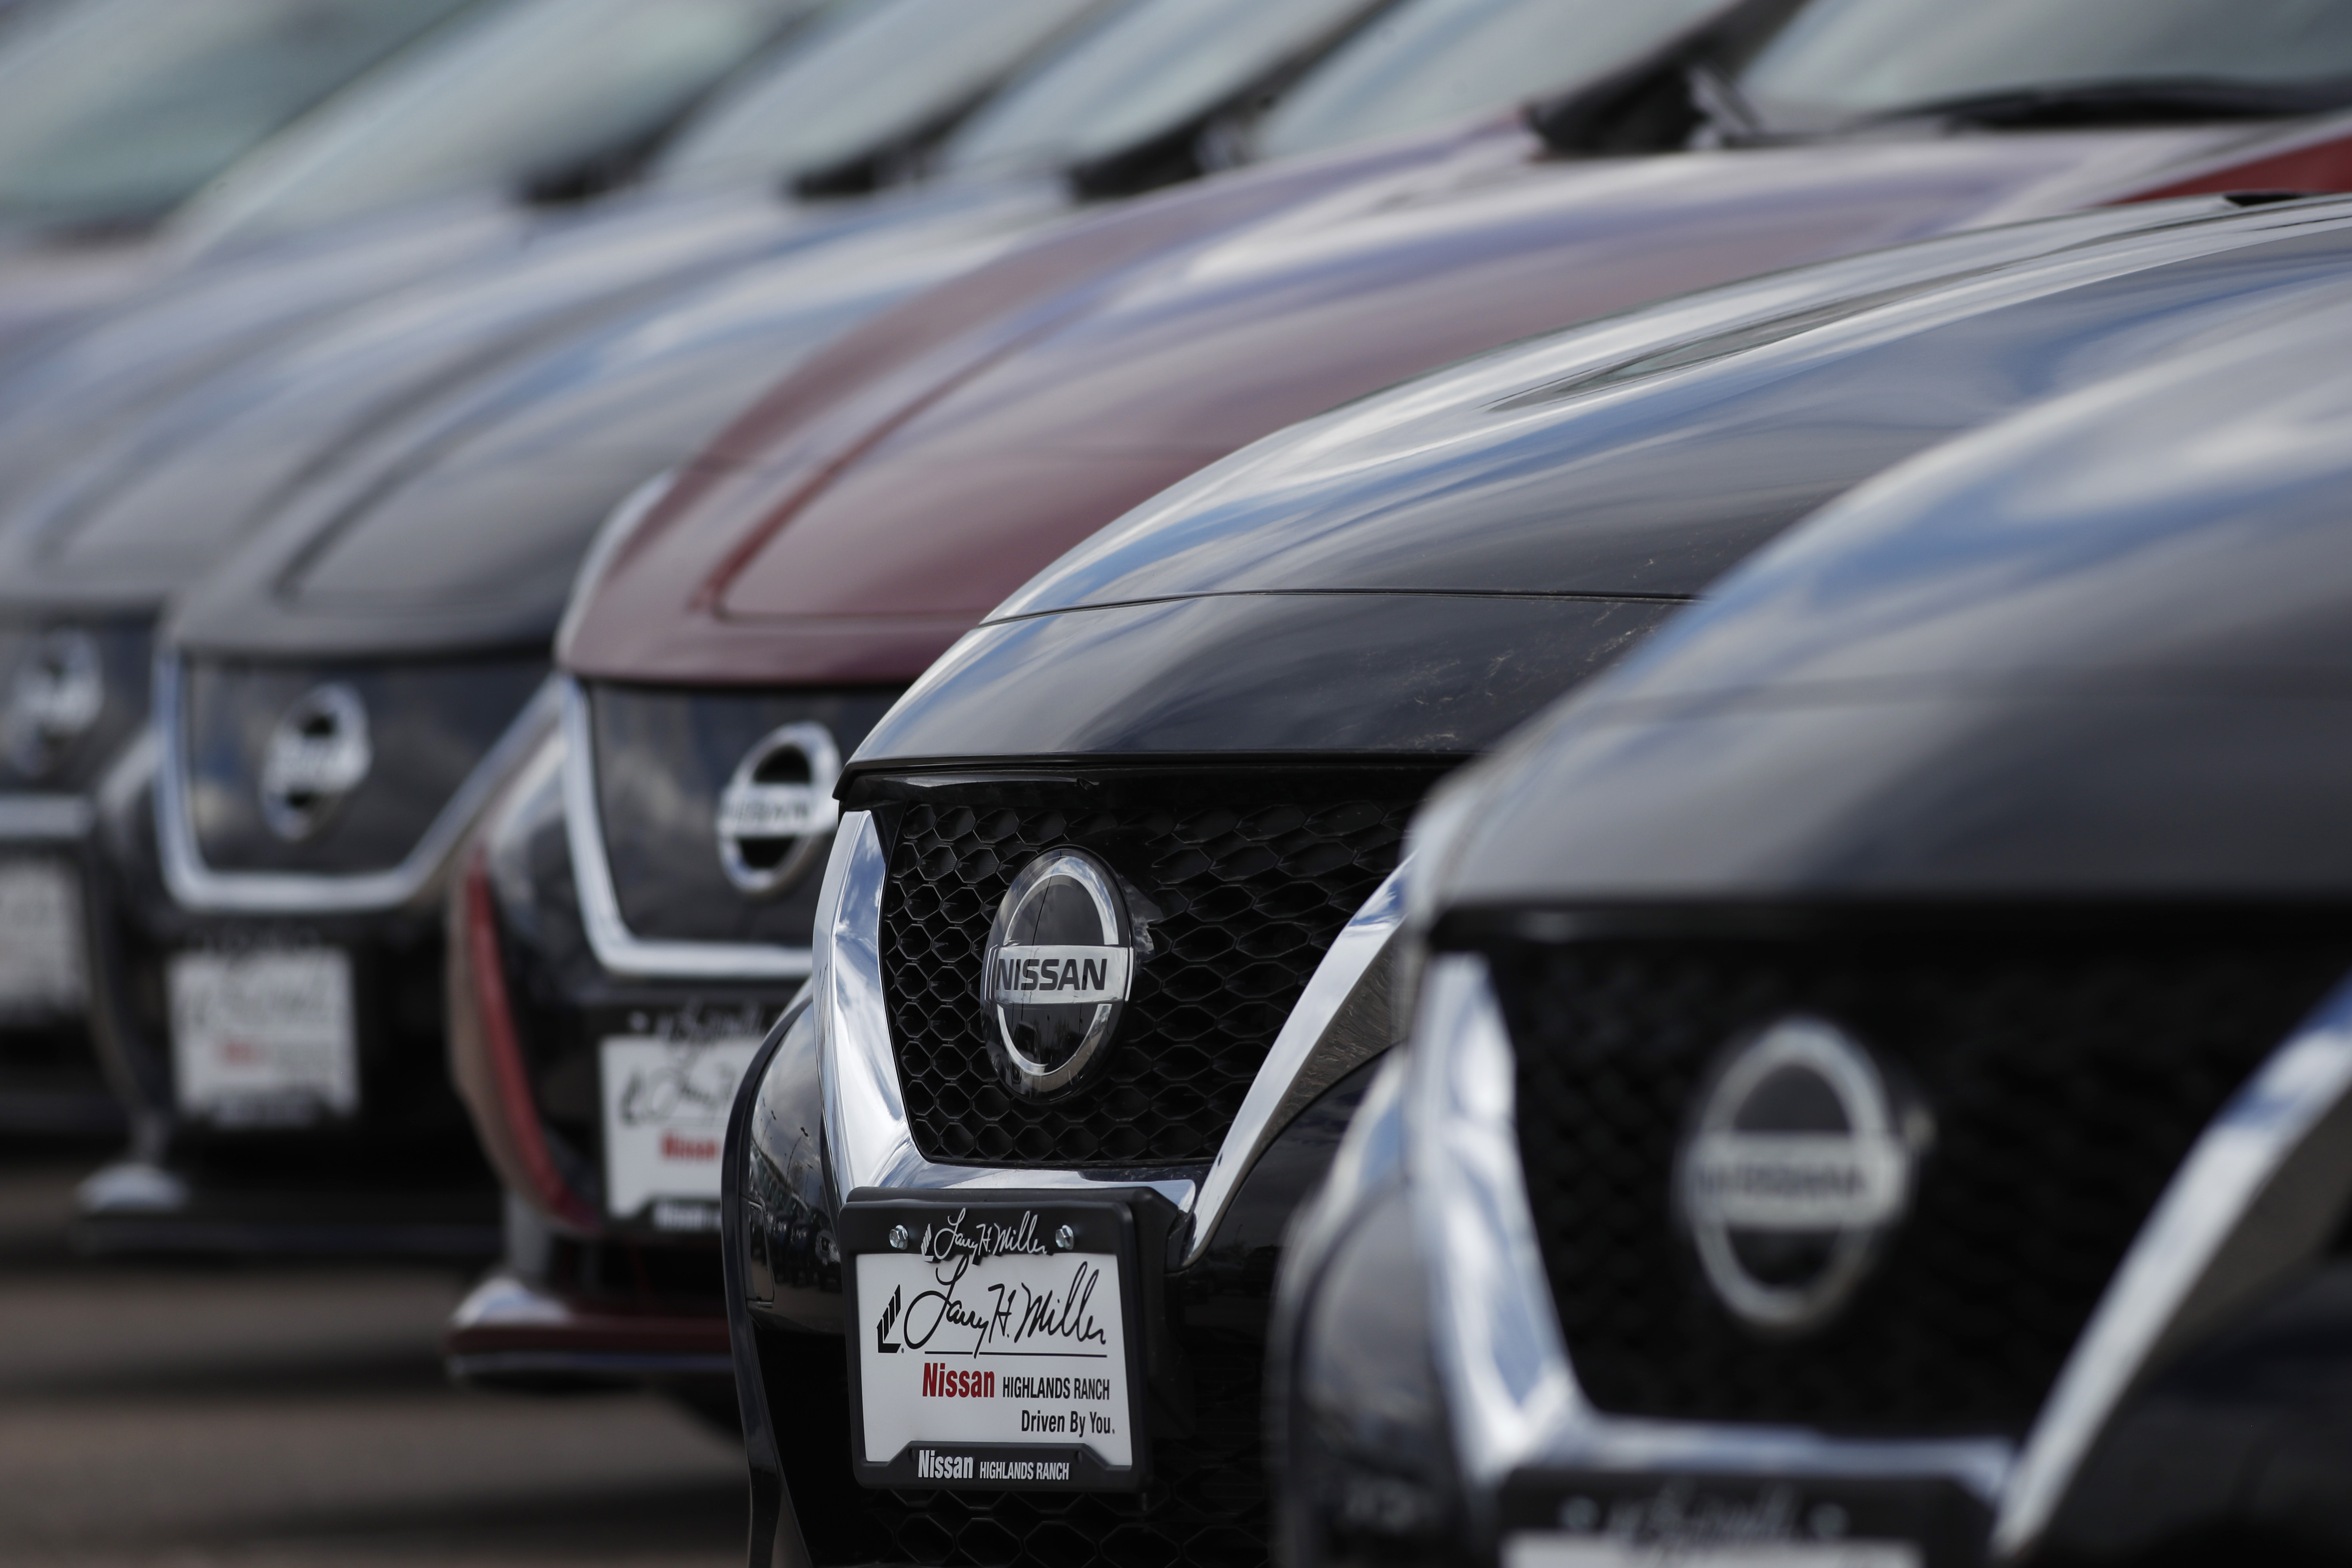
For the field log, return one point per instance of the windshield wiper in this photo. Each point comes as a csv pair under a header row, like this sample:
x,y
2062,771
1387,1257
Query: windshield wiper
x,y
2124,103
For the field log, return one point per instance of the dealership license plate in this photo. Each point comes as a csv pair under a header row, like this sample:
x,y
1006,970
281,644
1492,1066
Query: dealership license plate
x,y
1569,1520
996,1345
1600,1551
665,1105
265,1038
40,938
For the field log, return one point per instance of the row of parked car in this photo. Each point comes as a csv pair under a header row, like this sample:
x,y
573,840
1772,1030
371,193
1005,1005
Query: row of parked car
x,y
1538,781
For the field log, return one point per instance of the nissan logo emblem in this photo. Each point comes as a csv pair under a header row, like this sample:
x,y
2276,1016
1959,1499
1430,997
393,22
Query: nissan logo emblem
x,y
1058,972
1798,1164
317,756
56,694
777,812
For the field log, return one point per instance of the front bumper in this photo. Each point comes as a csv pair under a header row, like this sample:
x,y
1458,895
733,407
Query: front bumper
x,y
513,1332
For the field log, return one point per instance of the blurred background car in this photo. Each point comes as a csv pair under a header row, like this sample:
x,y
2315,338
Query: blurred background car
x,y
114,111
105,377
1965,874
1231,701
408,548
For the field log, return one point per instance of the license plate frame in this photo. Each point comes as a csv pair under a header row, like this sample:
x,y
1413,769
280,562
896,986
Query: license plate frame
x,y
1570,1519
634,1068
1003,1459
264,1038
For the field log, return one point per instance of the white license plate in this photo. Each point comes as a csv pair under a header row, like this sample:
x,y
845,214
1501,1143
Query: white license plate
x,y
991,1367
665,1105
1548,1551
264,1038
40,938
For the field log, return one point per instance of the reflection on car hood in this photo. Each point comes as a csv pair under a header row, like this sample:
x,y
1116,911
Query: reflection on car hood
x,y
1033,419
462,525
2094,651
136,515
1422,570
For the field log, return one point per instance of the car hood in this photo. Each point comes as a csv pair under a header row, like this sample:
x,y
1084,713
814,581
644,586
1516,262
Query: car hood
x,y
1007,425
68,384
1421,571
2093,652
133,517
460,527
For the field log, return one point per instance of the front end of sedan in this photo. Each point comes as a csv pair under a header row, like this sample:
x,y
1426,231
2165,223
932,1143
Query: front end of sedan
x,y
274,954
636,916
1128,1129
1877,1090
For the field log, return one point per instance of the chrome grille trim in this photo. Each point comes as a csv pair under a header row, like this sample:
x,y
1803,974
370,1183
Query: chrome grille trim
x,y
868,1138
2259,1193
197,887
617,948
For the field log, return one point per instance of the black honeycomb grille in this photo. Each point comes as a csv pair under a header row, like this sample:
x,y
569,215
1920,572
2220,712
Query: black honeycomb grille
x,y
1254,874
1204,1507
2067,1080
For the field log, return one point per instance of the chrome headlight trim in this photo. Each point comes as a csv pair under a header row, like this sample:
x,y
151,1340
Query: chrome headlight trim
x,y
1361,943
2261,1191
197,887
620,950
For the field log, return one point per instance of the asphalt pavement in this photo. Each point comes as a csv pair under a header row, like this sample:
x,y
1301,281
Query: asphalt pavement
x,y
295,1417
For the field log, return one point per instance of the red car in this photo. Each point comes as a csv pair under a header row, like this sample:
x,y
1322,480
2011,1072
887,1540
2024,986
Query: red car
x,y
645,897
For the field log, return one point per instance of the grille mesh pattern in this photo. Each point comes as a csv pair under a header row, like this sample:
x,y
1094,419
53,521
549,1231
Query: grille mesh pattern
x,y
1254,874
2068,1082
1204,1505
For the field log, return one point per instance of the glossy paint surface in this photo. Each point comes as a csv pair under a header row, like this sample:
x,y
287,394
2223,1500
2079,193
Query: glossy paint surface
x,y
1423,570
2094,650
124,519
462,525
1033,403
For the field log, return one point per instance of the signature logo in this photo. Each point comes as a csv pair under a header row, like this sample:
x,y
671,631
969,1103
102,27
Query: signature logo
x,y
318,753
777,812
1797,1165
56,695
1681,1518
1058,968
1000,1313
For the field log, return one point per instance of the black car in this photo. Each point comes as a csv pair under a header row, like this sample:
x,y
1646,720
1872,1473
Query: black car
x,y
1879,1090
1106,953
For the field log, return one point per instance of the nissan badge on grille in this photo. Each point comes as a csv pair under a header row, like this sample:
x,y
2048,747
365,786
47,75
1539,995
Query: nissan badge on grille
x,y
1797,1165
1058,970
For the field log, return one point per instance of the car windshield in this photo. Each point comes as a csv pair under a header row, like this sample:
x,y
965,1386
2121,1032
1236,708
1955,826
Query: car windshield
x,y
867,74
1146,69
529,94
1842,60
112,112
1429,61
